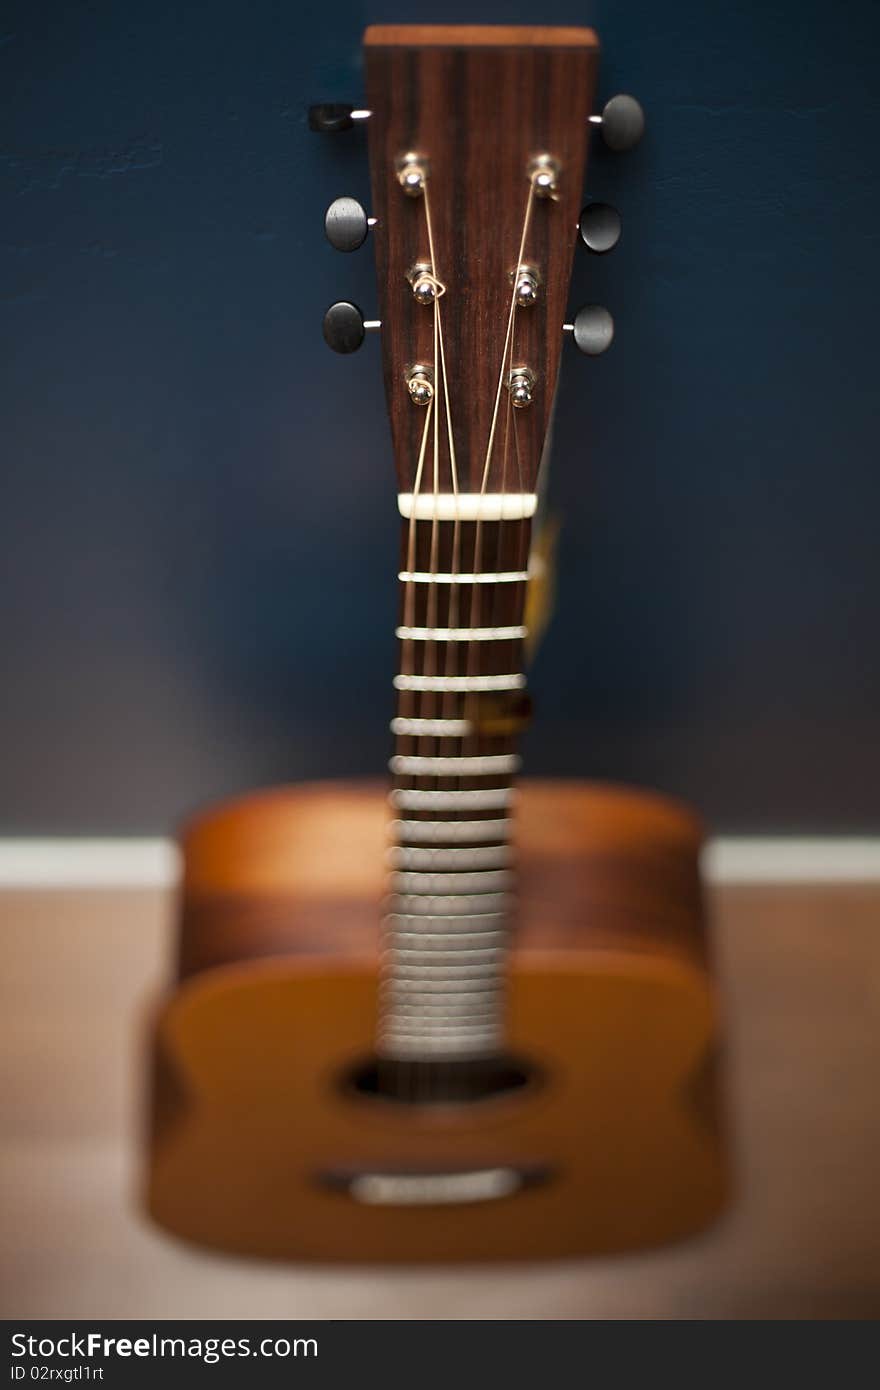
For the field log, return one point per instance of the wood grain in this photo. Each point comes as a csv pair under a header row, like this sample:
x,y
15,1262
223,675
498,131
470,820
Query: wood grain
x,y
477,105
301,870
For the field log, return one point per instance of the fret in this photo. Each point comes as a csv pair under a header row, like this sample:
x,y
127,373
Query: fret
x,y
467,506
407,681
477,765
512,633
485,799
439,1021
471,1009
431,728
482,857
483,577
473,989
417,1047
442,940
448,904
437,960
453,832
447,974
477,923
441,1030
423,1012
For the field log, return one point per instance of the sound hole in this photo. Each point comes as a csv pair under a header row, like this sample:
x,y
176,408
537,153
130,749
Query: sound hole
x,y
440,1083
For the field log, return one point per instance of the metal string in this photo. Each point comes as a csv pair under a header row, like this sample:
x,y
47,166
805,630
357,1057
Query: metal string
x,y
506,366
446,704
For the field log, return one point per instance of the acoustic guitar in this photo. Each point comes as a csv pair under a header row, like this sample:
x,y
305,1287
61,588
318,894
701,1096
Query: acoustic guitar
x,y
460,1017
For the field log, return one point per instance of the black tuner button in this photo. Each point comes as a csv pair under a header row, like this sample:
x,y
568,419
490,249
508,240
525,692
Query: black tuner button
x,y
346,224
592,330
622,122
345,326
330,116
600,227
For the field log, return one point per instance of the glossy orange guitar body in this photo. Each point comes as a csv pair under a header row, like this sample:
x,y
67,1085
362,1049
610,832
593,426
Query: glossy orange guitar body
x,y
612,1014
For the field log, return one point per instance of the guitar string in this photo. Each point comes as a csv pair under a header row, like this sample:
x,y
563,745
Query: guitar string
x,y
440,703
446,702
499,598
409,601
421,1075
472,659
519,260
506,365
439,358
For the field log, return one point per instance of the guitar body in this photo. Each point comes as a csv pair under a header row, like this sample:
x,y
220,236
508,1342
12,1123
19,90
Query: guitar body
x,y
264,1142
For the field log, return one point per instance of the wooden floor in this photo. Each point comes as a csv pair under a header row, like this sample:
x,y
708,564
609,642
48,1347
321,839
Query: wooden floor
x,y
801,971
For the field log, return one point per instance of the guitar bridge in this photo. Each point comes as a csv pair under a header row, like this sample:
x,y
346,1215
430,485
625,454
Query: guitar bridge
x,y
431,1189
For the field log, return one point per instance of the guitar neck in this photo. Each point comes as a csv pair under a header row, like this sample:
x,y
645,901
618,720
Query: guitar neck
x,y
477,140
460,684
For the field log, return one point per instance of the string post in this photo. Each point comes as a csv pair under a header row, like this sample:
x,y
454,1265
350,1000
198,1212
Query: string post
x,y
521,384
426,287
420,385
527,283
411,175
543,172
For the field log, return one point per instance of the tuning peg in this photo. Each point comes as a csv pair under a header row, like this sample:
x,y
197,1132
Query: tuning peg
x,y
345,326
600,227
592,330
346,224
622,122
328,117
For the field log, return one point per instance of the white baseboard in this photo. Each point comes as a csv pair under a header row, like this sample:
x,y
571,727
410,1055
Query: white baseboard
x,y
118,862
154,863
784,859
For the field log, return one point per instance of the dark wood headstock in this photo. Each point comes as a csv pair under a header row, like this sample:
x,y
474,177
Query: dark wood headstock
x,y
486,116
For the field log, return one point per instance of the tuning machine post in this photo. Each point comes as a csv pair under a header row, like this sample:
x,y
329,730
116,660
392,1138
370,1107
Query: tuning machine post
x,y
330,117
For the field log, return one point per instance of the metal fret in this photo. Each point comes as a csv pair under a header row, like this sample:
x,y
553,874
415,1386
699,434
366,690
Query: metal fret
x,y
483,799
454,884
512,633
463,923
427,985
451,577
448,905
463,684
431,728
445,939
422,832
478,765
479,857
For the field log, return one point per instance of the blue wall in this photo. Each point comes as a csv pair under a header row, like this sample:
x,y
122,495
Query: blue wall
x,y
198,528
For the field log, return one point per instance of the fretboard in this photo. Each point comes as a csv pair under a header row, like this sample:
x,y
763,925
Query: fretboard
x,y
460,702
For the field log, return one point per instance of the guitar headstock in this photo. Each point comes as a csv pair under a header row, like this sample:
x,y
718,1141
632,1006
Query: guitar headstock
x,y
478,141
